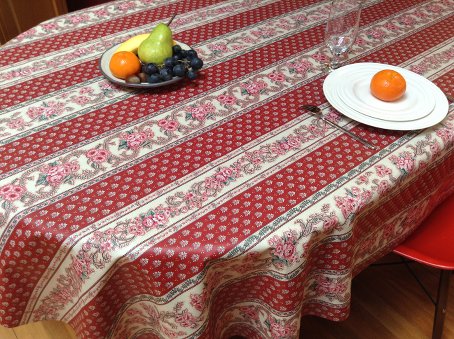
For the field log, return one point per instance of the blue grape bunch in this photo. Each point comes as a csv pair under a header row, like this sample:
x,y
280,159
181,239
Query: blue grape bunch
x,y
183,63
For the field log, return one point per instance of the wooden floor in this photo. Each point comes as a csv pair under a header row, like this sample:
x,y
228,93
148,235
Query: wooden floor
x,y
387,303
39,330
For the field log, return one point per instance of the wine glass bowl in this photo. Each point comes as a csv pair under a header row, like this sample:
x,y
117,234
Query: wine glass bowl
x,y
342,29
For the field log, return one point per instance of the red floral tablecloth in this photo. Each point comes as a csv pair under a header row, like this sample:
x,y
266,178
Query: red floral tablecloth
x,y
209,208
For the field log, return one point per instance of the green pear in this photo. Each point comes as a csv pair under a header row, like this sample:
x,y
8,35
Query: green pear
x,y
157,46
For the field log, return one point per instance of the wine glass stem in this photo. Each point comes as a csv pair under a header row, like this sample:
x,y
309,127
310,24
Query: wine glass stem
x,y
336,60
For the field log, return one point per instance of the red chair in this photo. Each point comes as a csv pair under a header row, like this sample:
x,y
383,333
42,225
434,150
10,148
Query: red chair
x,y
432,244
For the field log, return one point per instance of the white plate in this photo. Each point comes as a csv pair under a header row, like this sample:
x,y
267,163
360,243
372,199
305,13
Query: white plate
x,y
104,66
438,113
354,91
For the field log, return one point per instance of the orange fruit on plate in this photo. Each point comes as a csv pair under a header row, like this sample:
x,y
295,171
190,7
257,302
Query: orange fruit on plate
x,y
388,85
124,64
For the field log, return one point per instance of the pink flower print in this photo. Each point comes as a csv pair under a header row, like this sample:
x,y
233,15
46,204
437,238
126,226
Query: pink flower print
x,y
248,39
56,174
281,329
286,251
18,123
407,20
249,312
285,146
75,19
435,148
362,179
228,172
86,90
189,196
227,100
274,240
435,8
254,87
321,57
77,266
300,17
265,32
333,116
134,140
105,246
185,319
276,148
376,33
200,112
29,33
388,231
254,157
404,161
420,14
382,171
326,285
86,247
383,187
290,236
34,112
302,66
136,229
106,85
347,205
420,69
71,167
220,178
211,182
53,108
168,124
161,218
390,26
360,41
101,12
11,192
126,5
81,100
293,141
198,300
445,134
98,155
331,223
149,222
49,26
218,48
55,179
277,76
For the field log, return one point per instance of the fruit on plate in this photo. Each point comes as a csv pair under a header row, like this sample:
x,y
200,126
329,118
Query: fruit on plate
x,y
182,63
132,44
123,64
388,85
157,46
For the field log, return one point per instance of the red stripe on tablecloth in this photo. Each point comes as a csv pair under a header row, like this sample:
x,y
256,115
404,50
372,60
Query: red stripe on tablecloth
x,y
45,84
235,22
93,32
446,82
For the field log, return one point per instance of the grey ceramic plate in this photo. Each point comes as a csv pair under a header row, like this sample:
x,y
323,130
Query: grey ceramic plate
x,y
104,66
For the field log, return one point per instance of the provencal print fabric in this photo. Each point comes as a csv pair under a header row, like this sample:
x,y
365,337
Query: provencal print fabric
x,y
210,208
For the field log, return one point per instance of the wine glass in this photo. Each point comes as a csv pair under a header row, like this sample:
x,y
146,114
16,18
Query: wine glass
x,y
342,29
